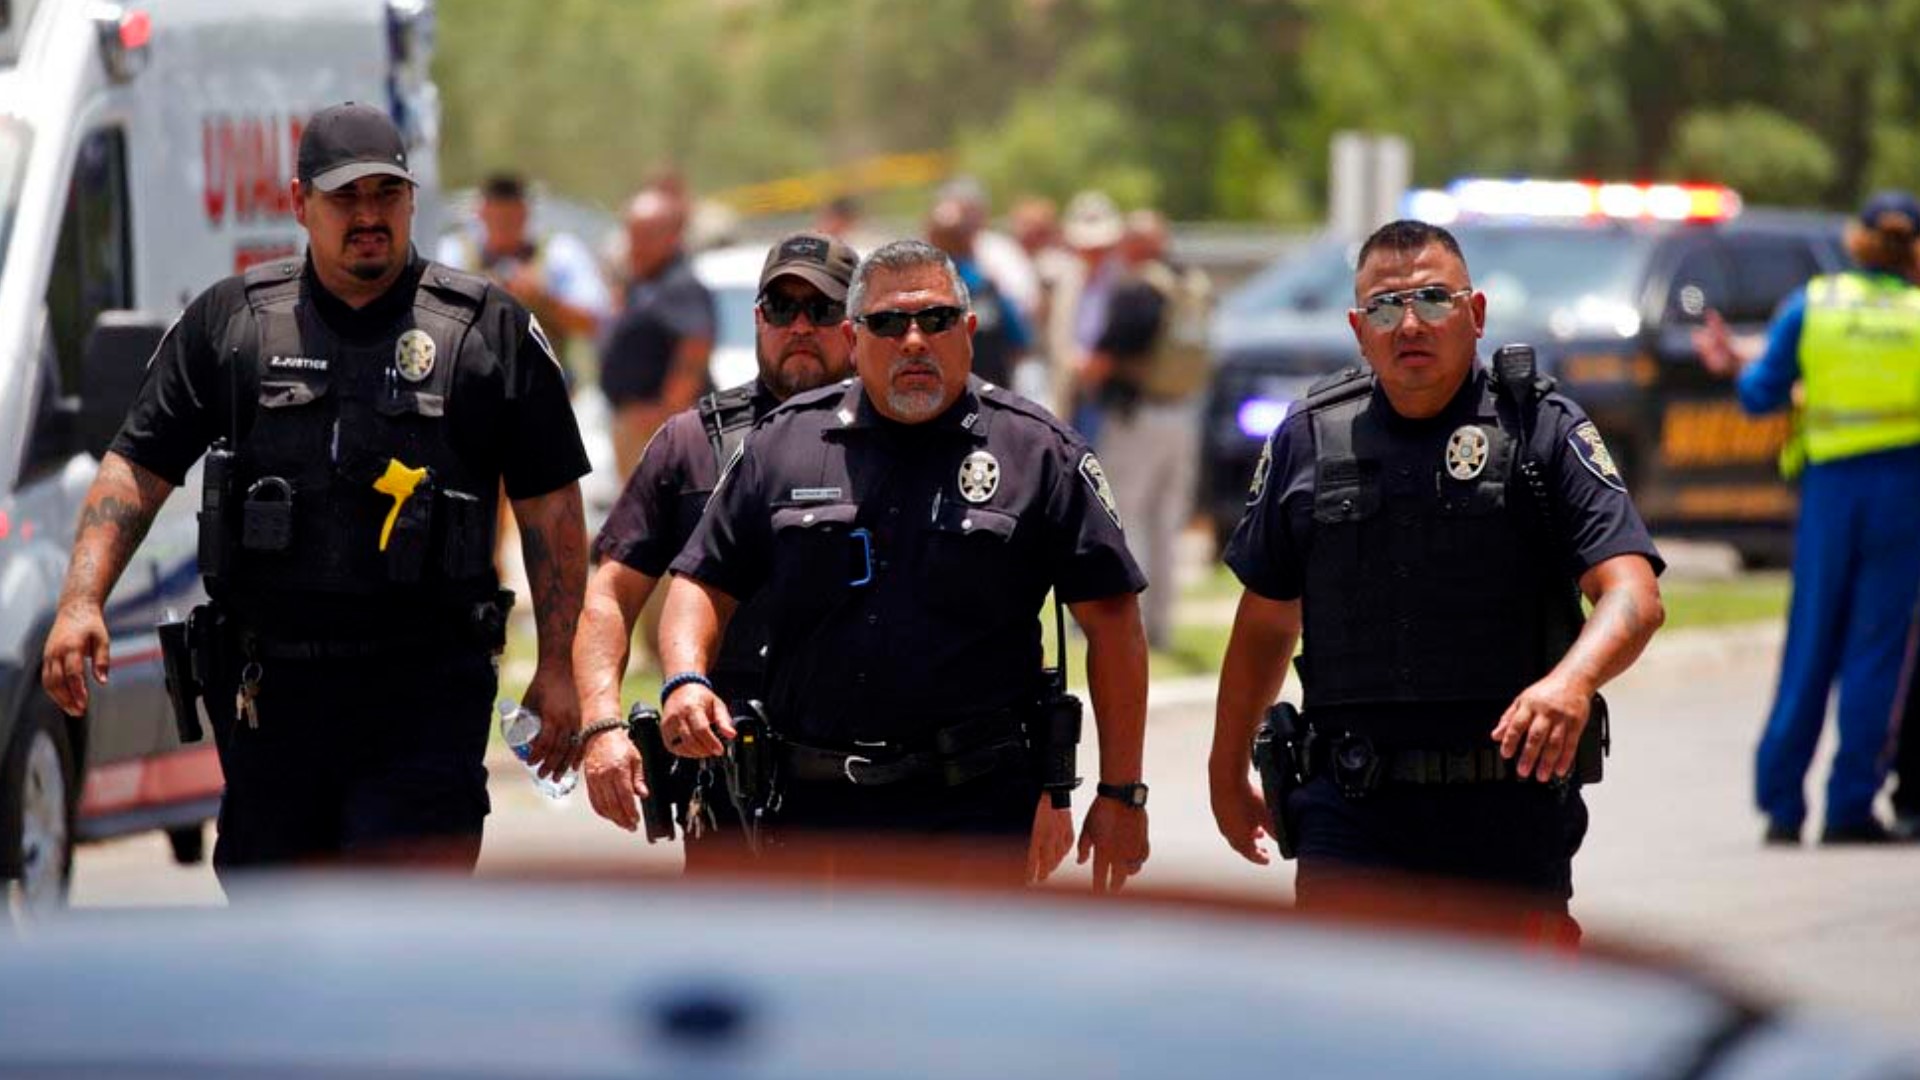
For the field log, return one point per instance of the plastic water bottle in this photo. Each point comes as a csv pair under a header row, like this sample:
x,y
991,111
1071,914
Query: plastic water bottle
x,y
519,726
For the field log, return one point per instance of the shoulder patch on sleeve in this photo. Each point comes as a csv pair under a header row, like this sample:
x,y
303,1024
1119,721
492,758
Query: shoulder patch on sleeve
x,y
1592,452
1262,470
539,335
1096,478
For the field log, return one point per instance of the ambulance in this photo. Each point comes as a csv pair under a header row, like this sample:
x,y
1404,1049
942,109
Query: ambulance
x,y
145,150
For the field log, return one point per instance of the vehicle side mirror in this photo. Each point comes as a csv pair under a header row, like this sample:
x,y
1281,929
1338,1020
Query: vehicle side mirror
x,y
113,364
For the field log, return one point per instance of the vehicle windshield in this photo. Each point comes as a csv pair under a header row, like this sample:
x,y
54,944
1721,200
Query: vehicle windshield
x,y
1567,279
15,138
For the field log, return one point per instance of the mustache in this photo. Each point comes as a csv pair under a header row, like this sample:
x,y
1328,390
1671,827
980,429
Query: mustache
x,y
913,367
375,230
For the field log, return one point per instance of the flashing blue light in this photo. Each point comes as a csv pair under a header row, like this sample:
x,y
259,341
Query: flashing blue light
x,y
1258,416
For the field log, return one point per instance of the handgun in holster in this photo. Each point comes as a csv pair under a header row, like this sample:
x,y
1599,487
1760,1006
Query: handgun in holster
x,y
656,765
749,767
1275,759
183,688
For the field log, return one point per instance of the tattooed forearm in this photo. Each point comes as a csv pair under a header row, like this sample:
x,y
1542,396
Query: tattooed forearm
x,y
1622,623
119,510
553,543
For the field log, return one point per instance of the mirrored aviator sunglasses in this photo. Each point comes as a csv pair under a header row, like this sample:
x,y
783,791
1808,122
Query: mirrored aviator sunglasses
x,y
893,324
780,311
1430,303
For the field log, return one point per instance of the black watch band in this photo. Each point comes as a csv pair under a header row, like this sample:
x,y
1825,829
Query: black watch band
x,y
1134,795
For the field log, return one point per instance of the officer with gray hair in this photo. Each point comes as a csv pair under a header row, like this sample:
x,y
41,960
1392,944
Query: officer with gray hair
x,y
905,528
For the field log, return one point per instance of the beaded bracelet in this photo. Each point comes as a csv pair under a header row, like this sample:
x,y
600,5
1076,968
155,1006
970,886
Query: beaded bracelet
x,y
675,682
581,737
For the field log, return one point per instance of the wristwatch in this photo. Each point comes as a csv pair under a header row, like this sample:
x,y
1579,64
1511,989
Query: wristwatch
x,y
1134,795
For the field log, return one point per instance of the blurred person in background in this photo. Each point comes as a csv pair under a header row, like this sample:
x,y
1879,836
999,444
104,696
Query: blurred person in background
x,y
653,360
552,273
1852,343
1002,339
1035,224
999,257
1092,229
1449,681
1146,373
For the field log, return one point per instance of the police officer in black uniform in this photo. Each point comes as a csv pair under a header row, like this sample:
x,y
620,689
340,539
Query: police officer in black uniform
x,y
799,345
1424,522
364,406
903,530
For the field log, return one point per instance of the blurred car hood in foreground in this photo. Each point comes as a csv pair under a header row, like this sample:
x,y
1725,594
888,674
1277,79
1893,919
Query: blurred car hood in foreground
x,y
392,977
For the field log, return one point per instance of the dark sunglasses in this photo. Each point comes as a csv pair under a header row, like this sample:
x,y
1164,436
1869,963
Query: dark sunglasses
x,y
893,324
1430,303
782,310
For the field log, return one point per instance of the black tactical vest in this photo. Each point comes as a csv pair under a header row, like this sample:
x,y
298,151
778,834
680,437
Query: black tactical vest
x,y
1425,576
739,671
329,419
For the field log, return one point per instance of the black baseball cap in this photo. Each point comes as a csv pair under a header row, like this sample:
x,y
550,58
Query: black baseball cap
x,y
343,143
815,258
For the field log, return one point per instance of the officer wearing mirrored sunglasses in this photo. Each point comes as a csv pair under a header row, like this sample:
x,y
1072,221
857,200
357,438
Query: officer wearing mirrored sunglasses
x,y
903,530
1425,523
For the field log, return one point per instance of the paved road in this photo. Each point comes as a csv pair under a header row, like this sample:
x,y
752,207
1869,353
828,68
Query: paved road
x,y
1673,857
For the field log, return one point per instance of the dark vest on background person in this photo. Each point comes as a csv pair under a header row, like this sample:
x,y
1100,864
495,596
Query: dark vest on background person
x,y
328,419
739,670
1426,576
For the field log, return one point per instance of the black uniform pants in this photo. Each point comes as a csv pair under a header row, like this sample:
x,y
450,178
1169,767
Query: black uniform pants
x,y
373,759
1517,837
988,820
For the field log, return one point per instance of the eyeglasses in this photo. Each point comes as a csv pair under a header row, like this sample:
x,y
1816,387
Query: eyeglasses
x,y
1430,303
782,310
893,324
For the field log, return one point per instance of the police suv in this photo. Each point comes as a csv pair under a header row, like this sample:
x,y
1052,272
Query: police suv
x,y
1608,282
144,154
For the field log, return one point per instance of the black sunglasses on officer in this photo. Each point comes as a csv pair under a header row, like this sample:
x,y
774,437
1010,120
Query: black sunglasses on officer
x,y
780,310
893,324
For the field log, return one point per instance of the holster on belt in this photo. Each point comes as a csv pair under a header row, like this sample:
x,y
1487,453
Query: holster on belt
x,y
1274,758
183,689
749,765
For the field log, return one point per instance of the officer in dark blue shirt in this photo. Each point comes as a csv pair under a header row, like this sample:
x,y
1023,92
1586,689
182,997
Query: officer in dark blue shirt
x,y
372,404
802,302
1424,523
904,530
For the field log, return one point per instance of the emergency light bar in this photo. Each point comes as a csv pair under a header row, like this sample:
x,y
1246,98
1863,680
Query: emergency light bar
x,y
1572,200
126,36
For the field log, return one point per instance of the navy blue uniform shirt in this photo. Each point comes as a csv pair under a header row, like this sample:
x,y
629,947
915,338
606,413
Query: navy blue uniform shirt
x,y
1594,516
905,566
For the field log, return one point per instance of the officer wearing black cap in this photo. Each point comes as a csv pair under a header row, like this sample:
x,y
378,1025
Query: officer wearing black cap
x,y
1424,522
903,530
799,345
363,407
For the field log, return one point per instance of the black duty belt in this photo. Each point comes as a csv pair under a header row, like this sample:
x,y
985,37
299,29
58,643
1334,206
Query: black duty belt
x,y
1358,764
953,755
273,647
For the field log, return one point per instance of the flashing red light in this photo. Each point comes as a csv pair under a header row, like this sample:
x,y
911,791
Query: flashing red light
x,y
136,30
6,525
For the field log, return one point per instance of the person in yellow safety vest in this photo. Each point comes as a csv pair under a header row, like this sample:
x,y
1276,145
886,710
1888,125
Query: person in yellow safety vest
x,y
1852,342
